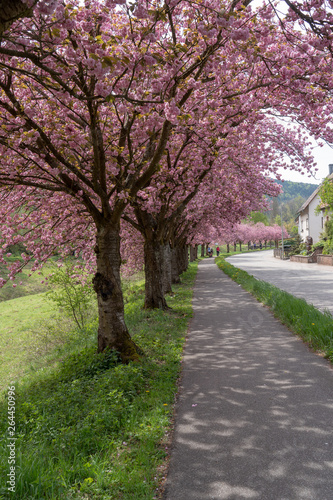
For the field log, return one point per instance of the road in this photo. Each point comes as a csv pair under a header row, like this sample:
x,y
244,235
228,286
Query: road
x,y
311,282
255,409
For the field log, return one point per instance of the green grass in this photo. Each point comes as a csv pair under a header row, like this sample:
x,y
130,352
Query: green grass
x,y
20,323
313,326
90,428
223,249
30,284
31,327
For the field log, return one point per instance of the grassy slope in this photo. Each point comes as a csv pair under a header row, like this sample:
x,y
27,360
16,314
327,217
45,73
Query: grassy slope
x,y
30,326
20,319
89,428
30,284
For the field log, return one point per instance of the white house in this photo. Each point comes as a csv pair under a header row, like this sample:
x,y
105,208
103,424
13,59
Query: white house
x,y
310,223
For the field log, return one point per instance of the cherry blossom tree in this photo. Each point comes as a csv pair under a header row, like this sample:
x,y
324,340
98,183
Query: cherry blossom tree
x,y
180,199
97,102
255,233
11,10
315,15
90,98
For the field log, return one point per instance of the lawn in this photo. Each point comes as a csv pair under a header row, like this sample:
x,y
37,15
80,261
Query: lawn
x,y
30,285
21,318
88,427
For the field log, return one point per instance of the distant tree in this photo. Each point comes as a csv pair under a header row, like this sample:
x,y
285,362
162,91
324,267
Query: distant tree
x,y
326,197
277,220
291,228
274,210
326,193
259,217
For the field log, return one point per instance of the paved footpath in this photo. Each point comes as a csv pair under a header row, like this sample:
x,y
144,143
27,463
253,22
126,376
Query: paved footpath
x,y
255,411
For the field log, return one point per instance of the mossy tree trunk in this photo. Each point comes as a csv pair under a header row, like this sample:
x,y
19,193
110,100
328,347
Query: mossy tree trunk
x,y
112,330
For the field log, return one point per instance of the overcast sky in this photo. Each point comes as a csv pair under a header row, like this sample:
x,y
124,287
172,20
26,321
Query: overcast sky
x,y
323,157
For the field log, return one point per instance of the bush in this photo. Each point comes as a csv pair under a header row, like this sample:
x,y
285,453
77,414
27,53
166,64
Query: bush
x,y
298,248
72,294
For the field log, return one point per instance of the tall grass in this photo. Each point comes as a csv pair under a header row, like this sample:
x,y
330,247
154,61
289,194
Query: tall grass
x,y
91,428
315,327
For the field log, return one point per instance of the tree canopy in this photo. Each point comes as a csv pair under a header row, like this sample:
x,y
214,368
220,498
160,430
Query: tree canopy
x,y
162,113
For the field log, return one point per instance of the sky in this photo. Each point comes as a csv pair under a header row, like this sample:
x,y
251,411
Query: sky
x,y
323,157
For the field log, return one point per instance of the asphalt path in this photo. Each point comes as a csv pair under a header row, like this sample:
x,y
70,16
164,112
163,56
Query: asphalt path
x,y
311,282
254,413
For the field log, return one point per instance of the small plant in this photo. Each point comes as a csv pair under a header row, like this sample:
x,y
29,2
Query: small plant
x,y
297,246
72,293
328,237
319,244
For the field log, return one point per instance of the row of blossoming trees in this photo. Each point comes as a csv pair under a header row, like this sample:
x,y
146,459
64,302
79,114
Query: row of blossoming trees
x,y
250,235
155,120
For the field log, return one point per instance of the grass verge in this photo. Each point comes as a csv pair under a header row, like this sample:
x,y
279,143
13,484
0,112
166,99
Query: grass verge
x,y
303,319
90,428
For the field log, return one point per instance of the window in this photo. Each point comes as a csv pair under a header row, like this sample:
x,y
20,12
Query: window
x,y
307,224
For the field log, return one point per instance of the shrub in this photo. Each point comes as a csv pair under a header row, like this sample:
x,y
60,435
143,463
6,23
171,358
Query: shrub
x,y
72,293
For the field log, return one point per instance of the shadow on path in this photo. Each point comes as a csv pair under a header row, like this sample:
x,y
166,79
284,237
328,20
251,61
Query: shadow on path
x,y
254,417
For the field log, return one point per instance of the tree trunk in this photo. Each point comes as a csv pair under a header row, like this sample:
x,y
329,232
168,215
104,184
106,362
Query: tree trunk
x,y
193,253
10,10
202,250
155,256
207,249
182,258
112,330
235,247
175,265
185,261
166,268
240,246
154,292
228,248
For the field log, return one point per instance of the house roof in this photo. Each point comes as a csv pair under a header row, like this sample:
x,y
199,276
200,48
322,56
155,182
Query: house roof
x,y
311,197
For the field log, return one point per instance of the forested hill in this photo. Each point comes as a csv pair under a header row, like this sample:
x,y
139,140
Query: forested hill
x,y
292,190
293,196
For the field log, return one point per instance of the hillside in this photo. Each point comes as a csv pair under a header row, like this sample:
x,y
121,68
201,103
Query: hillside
x,y
290,200
292,190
